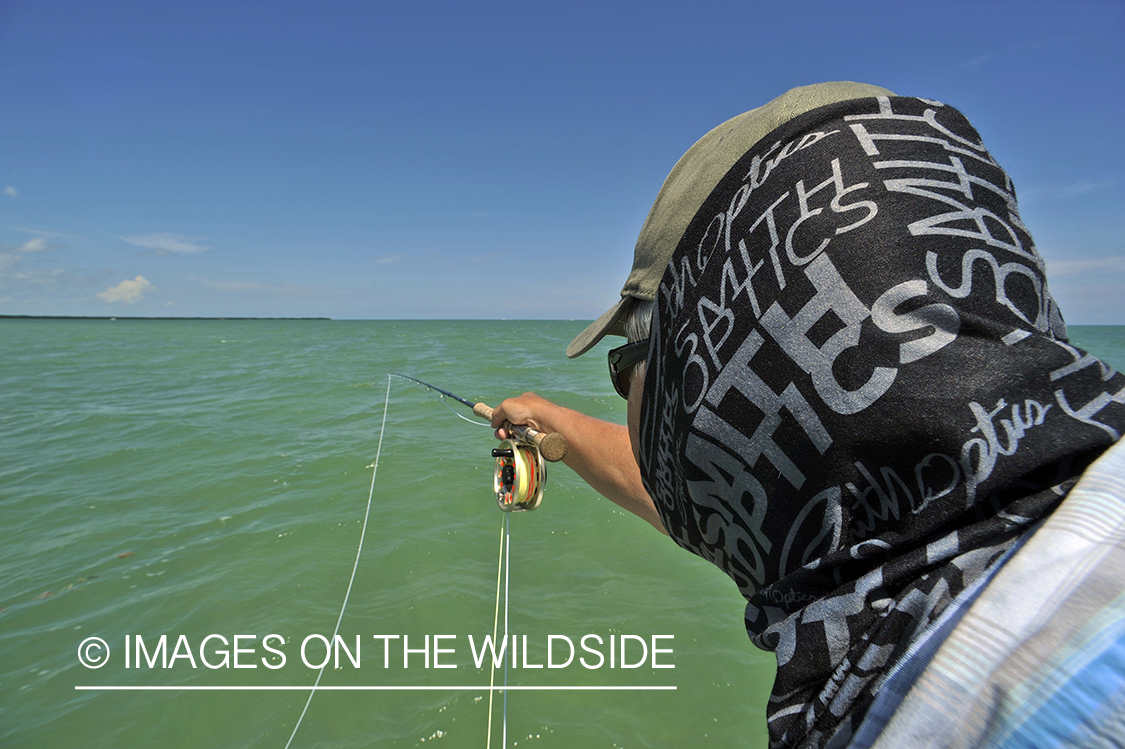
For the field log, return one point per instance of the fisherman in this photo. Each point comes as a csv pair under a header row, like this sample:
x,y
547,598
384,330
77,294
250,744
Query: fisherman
x,y
850,389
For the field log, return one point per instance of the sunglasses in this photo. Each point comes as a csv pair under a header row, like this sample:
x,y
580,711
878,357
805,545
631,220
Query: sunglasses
x,y
621,360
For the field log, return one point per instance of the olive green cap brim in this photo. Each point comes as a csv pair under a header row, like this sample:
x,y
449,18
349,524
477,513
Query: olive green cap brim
x,y
690,182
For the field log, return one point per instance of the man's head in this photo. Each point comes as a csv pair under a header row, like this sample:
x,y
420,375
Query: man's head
x,y
688,185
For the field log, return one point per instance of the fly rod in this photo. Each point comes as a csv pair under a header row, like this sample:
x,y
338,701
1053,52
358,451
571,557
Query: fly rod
x,y
552,446
520,474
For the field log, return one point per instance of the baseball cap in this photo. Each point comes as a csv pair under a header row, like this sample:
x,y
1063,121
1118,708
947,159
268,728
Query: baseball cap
x,y
690,182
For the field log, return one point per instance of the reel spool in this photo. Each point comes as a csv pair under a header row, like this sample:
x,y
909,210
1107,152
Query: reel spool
x,y
520,476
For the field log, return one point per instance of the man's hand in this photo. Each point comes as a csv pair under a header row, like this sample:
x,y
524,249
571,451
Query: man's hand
x,y
598,451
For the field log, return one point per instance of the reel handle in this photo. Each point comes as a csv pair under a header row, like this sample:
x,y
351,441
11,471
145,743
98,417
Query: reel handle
x,y
551,446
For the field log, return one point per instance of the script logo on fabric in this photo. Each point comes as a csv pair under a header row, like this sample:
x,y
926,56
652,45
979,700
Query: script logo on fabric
x,y
797,300
859,390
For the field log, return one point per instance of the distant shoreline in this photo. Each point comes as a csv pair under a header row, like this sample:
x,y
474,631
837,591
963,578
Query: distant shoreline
x,y
121,317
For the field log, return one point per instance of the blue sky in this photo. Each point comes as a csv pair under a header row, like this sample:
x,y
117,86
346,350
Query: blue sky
x,y
483,160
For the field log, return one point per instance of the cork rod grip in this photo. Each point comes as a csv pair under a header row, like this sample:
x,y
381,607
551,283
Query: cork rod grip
x,y
551,446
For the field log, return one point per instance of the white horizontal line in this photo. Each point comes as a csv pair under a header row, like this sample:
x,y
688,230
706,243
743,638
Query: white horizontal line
x,y
369,689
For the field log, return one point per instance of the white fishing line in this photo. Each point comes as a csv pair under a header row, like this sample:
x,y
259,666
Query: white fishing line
x,y
462,417
358,551
507,557
440,398
495,623
502,565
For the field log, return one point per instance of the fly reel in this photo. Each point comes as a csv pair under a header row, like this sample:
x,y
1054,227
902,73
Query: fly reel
x,y
520,476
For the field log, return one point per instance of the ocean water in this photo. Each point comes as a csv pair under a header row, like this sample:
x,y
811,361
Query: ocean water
x,y
202,480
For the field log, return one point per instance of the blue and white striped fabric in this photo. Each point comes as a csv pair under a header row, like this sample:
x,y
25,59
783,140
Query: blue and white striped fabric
x,y
1038,659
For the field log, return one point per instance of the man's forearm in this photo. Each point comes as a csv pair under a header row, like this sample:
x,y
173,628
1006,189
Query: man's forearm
x,y
598,451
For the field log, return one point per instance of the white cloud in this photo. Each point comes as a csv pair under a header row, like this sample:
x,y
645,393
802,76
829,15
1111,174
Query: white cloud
x,y
47,234
232,285
1057,268
164,242
34,245
1065,191
1085,186
976,62
11,192
7,261
265,289
1062,192
391,259
127,291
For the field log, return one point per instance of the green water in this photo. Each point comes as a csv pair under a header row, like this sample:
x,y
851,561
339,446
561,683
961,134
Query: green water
x,y
202,478
210,477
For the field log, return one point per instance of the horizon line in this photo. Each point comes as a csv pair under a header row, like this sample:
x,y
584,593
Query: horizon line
x,y
321,318
400,688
